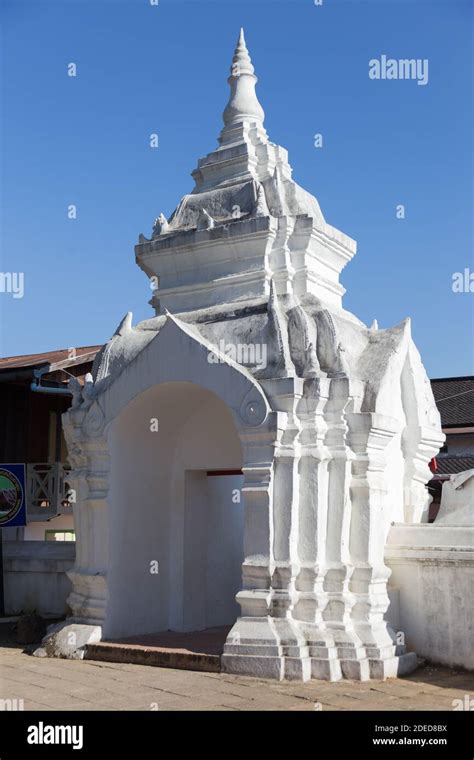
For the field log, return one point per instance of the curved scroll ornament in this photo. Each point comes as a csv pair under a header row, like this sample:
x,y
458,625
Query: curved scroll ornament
x,y
73,436
94,421
302,337
253,411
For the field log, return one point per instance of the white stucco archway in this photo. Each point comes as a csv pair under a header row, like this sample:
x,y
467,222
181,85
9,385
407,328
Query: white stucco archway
x,y
175,539
212,416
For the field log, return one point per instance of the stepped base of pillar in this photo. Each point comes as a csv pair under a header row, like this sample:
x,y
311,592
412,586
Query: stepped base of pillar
x,y
393,667
279,649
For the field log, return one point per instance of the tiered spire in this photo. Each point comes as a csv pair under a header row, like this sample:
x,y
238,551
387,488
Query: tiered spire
x,y
243,104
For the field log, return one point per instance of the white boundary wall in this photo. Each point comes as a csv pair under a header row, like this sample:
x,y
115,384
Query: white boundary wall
x,y
35,576
433,571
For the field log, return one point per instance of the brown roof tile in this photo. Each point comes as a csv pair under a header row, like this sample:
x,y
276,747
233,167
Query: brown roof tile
x,y
450,465
49,357
454,398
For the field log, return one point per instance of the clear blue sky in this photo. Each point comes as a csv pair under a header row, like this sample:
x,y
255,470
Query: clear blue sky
x,y
144,69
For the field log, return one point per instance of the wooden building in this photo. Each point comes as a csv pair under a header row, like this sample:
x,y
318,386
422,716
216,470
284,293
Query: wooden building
x,y
33,396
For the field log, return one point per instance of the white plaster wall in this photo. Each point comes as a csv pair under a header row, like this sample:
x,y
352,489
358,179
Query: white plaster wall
x,y
154,517
212,551
225,542
433,570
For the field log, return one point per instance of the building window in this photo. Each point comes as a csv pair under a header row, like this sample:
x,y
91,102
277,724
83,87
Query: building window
x,y
60,535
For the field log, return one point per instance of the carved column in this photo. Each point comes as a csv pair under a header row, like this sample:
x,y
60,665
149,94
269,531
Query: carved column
x,y
369,437
252,644
88,451
265,639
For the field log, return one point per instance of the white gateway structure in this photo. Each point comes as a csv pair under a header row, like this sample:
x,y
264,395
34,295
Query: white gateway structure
x,y
251,365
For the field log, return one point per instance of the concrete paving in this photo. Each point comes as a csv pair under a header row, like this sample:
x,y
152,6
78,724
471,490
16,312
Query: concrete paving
x,y
51,684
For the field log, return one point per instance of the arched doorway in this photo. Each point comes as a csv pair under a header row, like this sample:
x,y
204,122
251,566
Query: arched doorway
x,y
175,513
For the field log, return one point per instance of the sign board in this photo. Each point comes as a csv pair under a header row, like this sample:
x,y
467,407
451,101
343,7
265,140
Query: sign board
x,y
12,495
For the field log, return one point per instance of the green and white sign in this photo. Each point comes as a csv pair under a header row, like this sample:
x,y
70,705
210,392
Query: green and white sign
x,y
12,495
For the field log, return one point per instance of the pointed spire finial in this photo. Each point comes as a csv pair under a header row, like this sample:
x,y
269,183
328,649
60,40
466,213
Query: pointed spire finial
x,y
241,62
243,104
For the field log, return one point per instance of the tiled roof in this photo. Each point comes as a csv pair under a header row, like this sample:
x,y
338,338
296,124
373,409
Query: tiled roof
x,y
50,357
454,398
449,465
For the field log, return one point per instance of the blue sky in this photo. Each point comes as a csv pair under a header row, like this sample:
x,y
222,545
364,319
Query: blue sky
x,y
143,69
